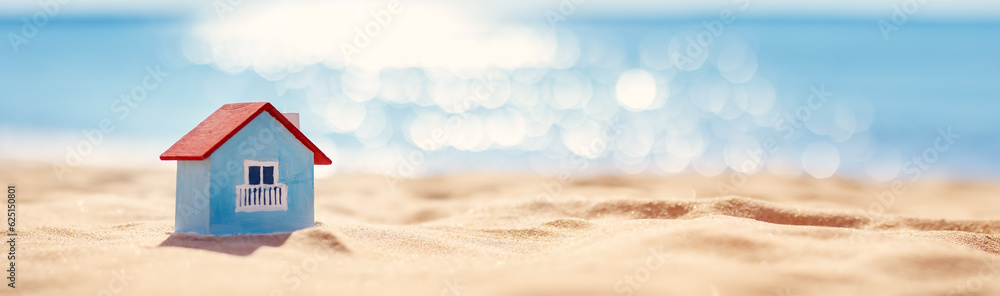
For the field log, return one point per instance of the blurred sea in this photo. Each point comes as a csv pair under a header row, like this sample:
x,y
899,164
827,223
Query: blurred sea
x,y
888,99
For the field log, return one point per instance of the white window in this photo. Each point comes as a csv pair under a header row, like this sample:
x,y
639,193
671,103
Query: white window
x,y
261,190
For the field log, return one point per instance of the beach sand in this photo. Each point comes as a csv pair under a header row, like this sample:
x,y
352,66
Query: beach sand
x,y
105,231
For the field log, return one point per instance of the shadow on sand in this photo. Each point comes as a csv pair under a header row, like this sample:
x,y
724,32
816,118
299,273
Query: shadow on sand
x,y
240,245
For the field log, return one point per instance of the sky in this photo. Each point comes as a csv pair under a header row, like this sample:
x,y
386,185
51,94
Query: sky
x,y
863,89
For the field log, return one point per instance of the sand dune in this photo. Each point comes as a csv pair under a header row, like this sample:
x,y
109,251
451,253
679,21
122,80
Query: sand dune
x,y
105,231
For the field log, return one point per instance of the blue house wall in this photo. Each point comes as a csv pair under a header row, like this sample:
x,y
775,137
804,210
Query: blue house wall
x,y
262,139
193,191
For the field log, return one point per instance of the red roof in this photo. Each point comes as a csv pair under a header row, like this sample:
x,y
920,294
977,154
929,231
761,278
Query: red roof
x,y
218,128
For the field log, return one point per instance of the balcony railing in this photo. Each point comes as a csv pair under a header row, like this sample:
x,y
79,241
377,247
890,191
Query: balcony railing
x,y
263,197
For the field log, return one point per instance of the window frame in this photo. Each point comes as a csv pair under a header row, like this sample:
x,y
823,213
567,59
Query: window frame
x,y
261,163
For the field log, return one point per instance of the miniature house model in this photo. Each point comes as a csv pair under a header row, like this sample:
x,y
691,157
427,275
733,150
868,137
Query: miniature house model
x,y
245,169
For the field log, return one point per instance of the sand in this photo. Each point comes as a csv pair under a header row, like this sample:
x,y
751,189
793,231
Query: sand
x,y
105,231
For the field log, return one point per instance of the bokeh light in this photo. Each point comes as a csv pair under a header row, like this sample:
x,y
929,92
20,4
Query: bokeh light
x,y
635,90
821,159
737,63
659,101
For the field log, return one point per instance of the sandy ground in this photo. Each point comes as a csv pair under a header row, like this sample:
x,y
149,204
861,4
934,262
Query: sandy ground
x,y
105,232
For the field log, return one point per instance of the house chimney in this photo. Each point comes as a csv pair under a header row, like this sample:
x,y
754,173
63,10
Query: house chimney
x,y
293,118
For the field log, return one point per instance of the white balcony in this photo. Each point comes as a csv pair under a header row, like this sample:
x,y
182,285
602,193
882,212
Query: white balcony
x,y
263,197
